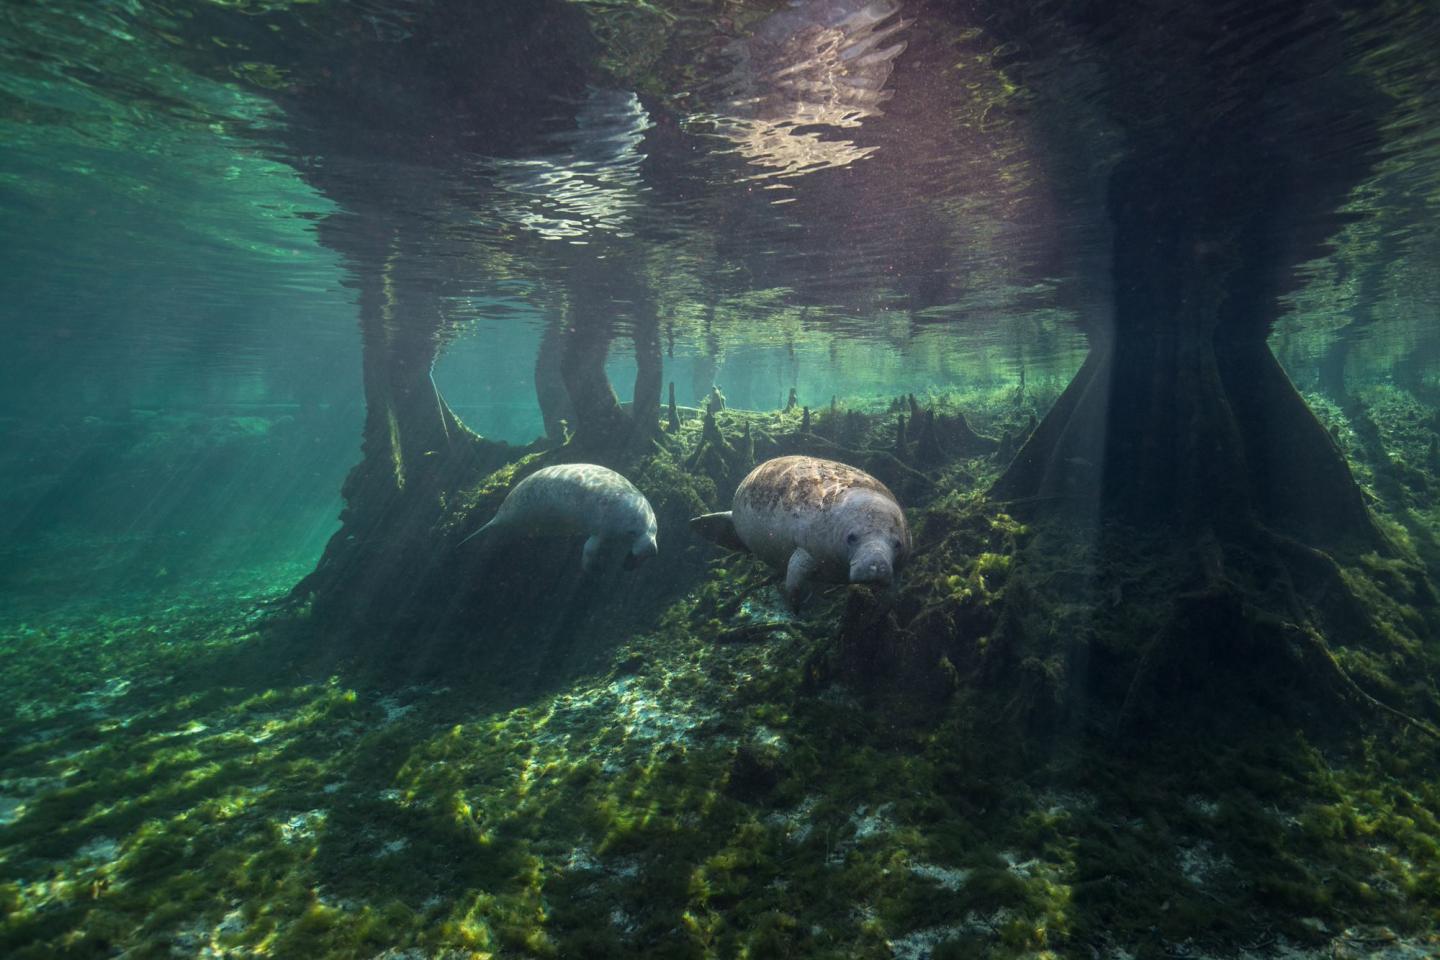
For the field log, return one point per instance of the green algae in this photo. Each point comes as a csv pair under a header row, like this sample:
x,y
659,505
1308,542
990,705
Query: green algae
x,y
702,796
606,819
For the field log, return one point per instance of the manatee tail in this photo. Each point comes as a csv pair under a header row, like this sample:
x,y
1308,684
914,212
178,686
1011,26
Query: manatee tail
x,y
718,528
477,533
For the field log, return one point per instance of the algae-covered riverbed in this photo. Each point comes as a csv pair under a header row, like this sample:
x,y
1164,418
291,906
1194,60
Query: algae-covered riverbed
x,y
719,480
181,780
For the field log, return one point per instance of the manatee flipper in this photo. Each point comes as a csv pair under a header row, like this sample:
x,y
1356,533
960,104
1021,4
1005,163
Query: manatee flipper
x,y
798,571
717,528
590,556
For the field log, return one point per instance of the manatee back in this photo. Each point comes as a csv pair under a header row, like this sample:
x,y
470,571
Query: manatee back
x,y
576,498
613,505
797,484
788,502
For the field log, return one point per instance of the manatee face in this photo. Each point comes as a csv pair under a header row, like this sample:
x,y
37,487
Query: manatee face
x,y
642,541
876,539
874,560
643,549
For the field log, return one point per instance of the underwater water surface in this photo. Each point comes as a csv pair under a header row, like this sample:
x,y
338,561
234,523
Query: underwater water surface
x,y
723,478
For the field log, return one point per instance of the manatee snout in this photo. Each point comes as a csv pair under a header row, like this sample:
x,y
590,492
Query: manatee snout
x,y
873,562
642,550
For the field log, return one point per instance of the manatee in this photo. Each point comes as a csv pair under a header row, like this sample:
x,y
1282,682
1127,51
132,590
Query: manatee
x,y
580,498
817,519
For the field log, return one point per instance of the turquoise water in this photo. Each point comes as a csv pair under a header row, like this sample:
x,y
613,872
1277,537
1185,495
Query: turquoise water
x,y
295,293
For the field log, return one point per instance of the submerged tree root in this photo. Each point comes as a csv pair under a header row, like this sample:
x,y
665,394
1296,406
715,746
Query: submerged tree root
x,y
1316,654
1224,631
1312,665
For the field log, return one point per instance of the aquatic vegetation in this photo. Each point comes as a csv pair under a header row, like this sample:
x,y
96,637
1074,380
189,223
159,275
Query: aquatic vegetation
x,y
664,812
720,784
1156,676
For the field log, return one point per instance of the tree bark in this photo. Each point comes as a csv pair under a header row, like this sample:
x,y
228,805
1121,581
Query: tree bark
x,y
1180,413
550,392
589,328
413,449
649,371
1367,297
600,293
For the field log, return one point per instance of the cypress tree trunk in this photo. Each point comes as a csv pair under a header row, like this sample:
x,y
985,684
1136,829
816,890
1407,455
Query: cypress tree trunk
x,y
414,450
1367,297
1185,448
1180,414
550,392
589,328
600,292
649,373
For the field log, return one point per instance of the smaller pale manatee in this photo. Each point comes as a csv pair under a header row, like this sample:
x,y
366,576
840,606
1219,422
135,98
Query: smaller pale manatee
x,y
579,498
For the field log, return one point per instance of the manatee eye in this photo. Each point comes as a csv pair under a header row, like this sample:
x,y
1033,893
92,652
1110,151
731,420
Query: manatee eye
x,y
852,539
896,544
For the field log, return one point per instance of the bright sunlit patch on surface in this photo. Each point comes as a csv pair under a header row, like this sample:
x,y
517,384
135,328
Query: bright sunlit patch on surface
x,y
806,73
591,183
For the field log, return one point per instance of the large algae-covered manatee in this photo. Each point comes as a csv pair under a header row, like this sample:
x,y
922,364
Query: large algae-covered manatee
x,y
816,519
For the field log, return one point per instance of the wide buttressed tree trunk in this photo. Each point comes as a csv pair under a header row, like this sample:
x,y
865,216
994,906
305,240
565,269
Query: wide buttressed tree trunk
x,y
1187,453
414,450
1180,414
